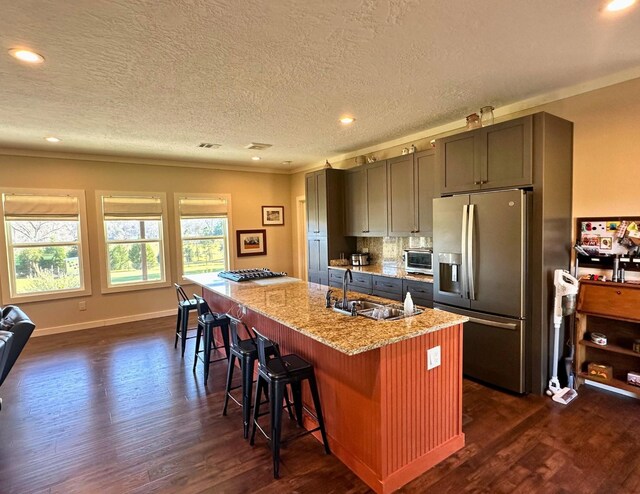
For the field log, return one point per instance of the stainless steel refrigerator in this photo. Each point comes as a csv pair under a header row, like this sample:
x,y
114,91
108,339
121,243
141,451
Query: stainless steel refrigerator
x,y
480,268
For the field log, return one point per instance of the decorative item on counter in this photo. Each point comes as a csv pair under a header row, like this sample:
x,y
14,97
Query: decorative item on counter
x,y
599,339
600,371
633,378
327,164
412,148
433,143
473,121
405,151
371,159
486,116
636,346
361,160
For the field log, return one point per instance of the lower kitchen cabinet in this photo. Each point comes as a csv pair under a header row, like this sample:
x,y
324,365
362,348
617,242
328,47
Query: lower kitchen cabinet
x,y
384,286
421,292
318,260
361,281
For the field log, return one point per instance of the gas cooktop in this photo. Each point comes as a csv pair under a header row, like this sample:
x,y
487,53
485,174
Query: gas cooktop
x,y
249,274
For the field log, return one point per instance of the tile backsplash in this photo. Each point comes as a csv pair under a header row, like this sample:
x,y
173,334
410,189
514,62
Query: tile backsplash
x,y
389,250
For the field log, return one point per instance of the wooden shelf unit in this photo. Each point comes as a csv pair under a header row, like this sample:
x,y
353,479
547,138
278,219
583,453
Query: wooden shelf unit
x,y
614,310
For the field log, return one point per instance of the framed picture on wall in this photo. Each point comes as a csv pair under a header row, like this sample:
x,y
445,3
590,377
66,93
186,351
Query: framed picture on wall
x,y
272,215
251,242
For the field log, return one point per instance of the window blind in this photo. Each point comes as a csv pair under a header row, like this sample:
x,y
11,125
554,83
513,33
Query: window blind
x,y
114,207
202,207
17,206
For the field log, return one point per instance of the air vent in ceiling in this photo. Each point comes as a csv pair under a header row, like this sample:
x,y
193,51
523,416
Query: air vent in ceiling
x,y
258,146
208,145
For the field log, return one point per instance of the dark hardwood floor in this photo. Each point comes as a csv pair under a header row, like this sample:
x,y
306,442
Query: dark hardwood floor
x,y
116,410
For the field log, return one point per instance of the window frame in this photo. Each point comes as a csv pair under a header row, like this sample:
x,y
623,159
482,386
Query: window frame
x,y
229,240
8,281
165,250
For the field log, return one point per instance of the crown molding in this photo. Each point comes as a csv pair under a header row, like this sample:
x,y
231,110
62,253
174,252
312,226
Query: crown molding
x,y
130,160
518,106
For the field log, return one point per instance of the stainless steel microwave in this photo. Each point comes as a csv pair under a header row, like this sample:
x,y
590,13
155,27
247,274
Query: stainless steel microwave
x,y
418,261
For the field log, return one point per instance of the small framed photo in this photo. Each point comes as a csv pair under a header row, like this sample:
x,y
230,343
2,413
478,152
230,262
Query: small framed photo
x,y
272,215
251,242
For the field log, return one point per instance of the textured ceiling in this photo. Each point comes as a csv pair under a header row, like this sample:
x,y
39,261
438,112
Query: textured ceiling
x,y
153,79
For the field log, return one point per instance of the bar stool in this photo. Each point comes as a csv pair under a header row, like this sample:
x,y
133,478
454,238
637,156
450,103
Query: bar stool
x,y
275,372
246,352
185,305
207,321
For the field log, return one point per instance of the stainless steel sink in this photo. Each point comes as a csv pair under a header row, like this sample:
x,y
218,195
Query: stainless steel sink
x,y
391,312
374,310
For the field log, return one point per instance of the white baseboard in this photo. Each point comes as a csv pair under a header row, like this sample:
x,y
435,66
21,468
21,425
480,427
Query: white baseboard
x,y
102,322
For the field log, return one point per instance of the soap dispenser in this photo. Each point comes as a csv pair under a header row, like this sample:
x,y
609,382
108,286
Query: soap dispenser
x,y
408,304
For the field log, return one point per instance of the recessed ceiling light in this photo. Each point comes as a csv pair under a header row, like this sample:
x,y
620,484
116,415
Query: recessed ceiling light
x,y
26,55
347,120
617,5
256,158
52,139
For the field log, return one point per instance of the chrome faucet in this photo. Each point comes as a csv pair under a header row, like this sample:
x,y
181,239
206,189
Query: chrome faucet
x,y
345,286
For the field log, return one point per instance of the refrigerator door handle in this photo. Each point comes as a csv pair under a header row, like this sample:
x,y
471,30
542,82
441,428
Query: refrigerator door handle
x,y
495,324
463,247
470,247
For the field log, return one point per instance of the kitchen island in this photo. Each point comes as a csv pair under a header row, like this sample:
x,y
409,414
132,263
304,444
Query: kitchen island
x,y
388,418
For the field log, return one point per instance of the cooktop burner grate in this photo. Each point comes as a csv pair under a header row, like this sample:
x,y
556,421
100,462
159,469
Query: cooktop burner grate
x,y
250,274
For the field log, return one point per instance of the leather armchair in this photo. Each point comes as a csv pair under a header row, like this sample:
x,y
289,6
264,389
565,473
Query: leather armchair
x,y
19,326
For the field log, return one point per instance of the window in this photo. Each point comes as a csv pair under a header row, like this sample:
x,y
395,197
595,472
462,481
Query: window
x,y
134,231
203,229
45,238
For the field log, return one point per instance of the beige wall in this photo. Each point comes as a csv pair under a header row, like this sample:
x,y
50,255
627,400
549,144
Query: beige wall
x,y
249,191
606,177
606,163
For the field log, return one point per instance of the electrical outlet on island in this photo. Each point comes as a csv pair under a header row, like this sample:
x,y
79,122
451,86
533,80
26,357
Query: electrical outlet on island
x,y
82,305
433,357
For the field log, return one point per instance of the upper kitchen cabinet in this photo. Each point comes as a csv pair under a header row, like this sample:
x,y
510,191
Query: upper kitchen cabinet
x,y
493,157
366,200
411,190
325,222
316,195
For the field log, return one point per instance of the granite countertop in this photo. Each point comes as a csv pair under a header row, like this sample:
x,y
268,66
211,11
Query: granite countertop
x,y
301,306
390,270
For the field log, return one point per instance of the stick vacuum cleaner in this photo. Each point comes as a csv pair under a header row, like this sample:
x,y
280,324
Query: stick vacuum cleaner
x,y
566,289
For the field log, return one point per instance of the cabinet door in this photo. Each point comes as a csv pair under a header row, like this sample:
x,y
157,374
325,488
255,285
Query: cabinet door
x,y
458,161
506,159
311,193
321,194
426,191
376,212
318,253
355,202
313,249
402,211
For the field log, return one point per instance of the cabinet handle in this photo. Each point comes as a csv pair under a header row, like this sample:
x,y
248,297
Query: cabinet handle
x,y
618,292
477,182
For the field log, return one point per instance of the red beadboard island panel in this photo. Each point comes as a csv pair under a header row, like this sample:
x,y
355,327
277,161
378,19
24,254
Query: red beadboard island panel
x,y
388,418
